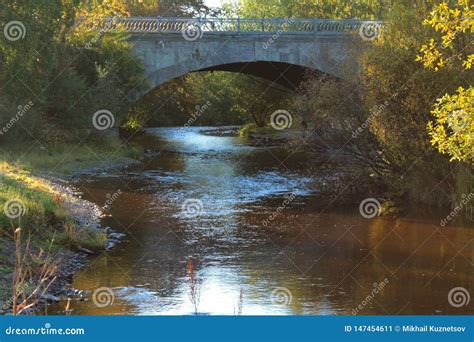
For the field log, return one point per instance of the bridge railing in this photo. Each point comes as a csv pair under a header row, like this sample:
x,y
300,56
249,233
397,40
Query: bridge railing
x,y
234,25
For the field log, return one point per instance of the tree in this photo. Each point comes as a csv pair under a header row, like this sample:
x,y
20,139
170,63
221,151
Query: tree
x,y
64,65
331,9
33,58
452,131
256,98
404,90
335,113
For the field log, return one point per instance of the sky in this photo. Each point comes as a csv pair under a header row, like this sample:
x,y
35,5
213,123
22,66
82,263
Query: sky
x,y
213,3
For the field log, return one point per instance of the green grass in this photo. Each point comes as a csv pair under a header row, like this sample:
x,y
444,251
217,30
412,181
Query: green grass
x,y
65,159
254,129
45,217
73,237
46,223
44,213
22,191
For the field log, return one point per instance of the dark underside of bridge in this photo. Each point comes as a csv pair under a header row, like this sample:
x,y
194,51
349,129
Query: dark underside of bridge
x,y
287,75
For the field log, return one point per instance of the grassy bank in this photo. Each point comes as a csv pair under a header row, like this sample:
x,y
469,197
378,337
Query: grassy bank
x,y
42,211
252,128
65,159
35,226
295,133
39,218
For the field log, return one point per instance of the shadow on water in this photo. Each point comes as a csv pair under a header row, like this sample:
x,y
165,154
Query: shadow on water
x,y
195,242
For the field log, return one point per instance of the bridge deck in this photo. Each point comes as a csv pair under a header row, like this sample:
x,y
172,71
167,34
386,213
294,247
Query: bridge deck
x,y
237,25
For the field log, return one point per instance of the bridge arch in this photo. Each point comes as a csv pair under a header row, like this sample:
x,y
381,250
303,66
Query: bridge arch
x,y
174,57
173,47
285,74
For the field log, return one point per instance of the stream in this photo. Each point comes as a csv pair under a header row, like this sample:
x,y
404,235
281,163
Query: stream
x,y
214,225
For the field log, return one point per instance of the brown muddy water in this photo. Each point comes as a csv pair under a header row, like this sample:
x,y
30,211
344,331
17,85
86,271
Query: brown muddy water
x,y
216,226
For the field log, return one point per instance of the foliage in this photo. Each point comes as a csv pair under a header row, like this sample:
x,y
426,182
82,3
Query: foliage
x,y
452,131
212,98
454,44
331,9
257,98
380,120
67,158
404,90
334,112
30,65
62,66
170,8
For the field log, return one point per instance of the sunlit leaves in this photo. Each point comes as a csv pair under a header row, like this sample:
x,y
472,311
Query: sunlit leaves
x,y
453,130
91,24
455,26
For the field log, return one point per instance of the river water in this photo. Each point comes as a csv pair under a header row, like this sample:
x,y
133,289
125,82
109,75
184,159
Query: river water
x,y
214,225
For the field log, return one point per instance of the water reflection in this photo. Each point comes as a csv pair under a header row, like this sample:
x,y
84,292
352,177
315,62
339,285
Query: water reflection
x,y
226,262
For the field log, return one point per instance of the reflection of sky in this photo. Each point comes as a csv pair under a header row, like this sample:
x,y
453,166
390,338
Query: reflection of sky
x,y
211,173
219,293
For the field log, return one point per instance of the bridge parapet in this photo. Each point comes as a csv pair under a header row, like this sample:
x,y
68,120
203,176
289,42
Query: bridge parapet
x,y
239,25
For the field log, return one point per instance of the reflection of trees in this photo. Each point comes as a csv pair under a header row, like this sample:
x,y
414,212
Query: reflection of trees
x,y
422,246
424,260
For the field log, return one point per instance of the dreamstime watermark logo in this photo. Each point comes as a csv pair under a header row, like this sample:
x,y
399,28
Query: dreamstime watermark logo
x,y
370,207
278,33
103,119
377,287
278,210
192,31
192,207
458,120
458,208
21,110
15,208
458,297
103,296
14,30
46,330
111,198
199,110
281,296
370,30
281,119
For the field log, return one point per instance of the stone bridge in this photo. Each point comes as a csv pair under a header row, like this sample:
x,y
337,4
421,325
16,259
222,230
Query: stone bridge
x,y
280,50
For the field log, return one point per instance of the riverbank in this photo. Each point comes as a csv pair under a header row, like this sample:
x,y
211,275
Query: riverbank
x,y
267,135
47,231
65,159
